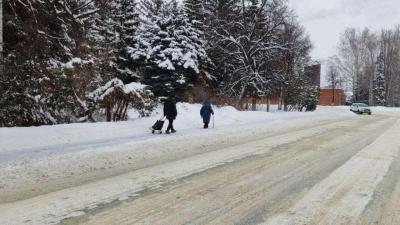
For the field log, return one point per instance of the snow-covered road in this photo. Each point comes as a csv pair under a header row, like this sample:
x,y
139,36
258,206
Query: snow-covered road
x,y
313,169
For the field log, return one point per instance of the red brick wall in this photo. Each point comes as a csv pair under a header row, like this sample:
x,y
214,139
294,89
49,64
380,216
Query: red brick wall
x,y
234,101
326,97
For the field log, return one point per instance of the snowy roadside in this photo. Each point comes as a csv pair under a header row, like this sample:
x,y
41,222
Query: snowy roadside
x,y
69,182
22,148
88,155
75,200
51,155
47,140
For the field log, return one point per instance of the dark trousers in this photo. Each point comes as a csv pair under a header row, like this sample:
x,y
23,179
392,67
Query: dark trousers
x,y
206,122
170,125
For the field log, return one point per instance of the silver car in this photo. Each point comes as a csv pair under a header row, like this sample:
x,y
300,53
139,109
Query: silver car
x,y
360,108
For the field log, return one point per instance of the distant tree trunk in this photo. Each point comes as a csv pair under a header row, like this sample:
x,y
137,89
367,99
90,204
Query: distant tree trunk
x,y
268,102
114,111
370,94
280,103
254,104
240,100
284,102
109,112
333,96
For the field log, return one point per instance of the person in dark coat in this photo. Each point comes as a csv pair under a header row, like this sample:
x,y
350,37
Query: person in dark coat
x,y
170,113
206,112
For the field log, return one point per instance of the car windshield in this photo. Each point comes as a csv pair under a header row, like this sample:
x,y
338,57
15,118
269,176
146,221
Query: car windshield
x,y
362,105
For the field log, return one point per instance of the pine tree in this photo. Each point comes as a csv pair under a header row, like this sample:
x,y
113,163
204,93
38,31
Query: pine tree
x,y
194,10
152,7
168,47
127,25
113,30
42,38
219,18
102,38
380,82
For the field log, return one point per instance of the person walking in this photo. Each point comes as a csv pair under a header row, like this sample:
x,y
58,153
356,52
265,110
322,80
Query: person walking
x,y
206,112
170,113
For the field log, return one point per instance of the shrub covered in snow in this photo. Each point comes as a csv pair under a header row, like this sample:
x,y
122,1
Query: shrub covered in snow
x,y
115,98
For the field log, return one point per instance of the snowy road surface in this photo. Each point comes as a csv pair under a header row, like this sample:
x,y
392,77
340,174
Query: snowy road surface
x,y
341,169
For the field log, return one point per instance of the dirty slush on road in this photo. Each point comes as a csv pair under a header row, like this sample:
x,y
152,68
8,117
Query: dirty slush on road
x,y
253,189
340,171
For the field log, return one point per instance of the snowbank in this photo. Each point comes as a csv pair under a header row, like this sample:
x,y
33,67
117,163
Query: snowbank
x,y
84,135
385,109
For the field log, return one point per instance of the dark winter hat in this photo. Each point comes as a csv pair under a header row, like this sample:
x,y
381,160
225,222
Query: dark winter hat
x,y
168,99
207,102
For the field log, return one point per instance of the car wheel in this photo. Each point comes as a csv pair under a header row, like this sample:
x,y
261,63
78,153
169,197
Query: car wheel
x,y
369,113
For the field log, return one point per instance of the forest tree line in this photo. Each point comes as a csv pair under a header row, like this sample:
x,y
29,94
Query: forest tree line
x,y
82,60
367,66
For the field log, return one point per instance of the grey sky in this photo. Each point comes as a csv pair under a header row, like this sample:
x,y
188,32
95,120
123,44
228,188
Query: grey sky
x,y
324,20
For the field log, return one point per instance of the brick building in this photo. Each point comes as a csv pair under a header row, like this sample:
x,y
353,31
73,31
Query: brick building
x,y
329,96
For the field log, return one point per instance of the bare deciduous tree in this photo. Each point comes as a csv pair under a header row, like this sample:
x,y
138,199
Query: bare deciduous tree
x,y
334,78
357,59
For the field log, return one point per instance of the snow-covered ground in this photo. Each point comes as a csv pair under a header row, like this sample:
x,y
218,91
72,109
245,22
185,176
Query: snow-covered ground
x,y
62,167
37,142
59,139
385,109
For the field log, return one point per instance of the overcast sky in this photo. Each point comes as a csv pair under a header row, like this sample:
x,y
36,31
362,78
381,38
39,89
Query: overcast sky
x,y
324,20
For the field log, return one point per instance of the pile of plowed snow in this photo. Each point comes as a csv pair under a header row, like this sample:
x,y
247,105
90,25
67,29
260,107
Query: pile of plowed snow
x,y
188,121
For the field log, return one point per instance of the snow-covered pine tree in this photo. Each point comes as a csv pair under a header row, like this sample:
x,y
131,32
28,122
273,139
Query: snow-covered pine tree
x,y
152,7
219,17
113,31
201,14
380,82
291,59
301,94
194,10
41,39
101,37
127,24
210,13
168,48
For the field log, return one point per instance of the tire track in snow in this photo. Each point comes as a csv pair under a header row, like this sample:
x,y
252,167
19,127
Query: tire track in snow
x,y
342,197
37,177
226,194
53,207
